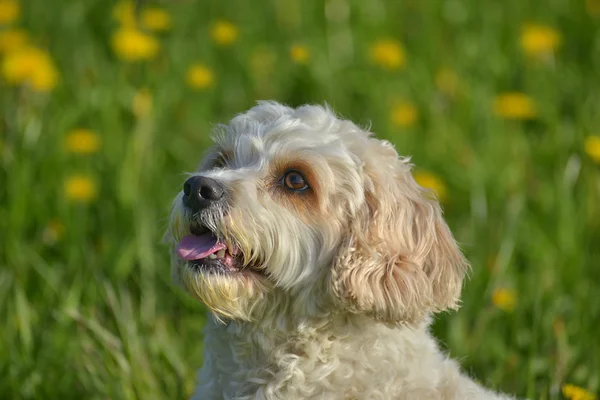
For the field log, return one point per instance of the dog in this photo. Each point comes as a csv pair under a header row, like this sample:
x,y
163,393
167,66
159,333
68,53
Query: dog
x,y
321,262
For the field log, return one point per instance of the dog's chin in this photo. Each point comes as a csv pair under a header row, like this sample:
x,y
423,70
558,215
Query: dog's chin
x,y
226,281
228,294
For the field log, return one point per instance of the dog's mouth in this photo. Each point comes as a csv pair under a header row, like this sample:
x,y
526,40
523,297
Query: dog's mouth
x,y
203,250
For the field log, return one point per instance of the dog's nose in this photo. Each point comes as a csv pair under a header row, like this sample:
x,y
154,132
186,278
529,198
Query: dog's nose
x,y
200,192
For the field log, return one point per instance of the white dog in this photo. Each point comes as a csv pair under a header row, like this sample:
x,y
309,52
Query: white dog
x,y
321,261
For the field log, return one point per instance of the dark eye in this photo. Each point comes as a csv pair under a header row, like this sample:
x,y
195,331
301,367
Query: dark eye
x,y
294,180
220,161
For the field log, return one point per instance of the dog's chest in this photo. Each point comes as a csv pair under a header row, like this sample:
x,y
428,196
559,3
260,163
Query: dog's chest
x,y
320,365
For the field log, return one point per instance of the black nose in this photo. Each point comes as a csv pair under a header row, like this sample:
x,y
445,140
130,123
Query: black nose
x,y
200,192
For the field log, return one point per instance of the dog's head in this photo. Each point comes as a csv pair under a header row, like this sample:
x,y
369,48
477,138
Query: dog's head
x,y
300,208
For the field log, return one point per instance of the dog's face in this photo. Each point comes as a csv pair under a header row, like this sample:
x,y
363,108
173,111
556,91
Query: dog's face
x,y
296,208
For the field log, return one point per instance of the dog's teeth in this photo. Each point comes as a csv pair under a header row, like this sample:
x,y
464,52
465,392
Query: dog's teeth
x,y
221,253
212,256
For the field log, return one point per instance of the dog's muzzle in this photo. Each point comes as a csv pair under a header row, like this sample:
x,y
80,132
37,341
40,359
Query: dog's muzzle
x,y
200,192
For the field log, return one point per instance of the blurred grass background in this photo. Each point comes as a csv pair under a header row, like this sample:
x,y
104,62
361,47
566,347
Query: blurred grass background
x,y
104,105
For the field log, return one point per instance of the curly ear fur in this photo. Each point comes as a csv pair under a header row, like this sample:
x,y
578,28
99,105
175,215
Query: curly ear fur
x,y
400,260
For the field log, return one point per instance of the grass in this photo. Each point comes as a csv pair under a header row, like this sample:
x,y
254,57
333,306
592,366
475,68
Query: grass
x,y
87,308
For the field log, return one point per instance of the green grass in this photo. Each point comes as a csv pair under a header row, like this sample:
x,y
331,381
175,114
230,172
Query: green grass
x,y
94,315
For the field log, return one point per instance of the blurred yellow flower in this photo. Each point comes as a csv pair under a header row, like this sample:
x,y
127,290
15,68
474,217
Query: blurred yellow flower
x,y
447,81
223,32
131,44
539,40
141,105
199,77
10,11
156,19
431,181
124,13
504,299
572,392
80,188
12,39
593,7
53,232
515,105
388,53
30,65
592,147
299,54
83,141
404,114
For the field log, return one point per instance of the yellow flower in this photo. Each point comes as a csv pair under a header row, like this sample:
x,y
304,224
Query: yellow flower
x,y
12,39
124,13
572,392
431,181
156,19
515,105
592,147
30,65
504,299
223,33
388,54
199,77
141,105
131,44
10,11
299,54
83,141
447,81
539,40
53,232
404,114
593,7
80,188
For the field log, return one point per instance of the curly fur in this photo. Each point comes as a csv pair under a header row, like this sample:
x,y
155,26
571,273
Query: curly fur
x,y
342,279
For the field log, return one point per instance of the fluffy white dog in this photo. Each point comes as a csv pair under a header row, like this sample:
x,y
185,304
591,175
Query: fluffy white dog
x,y
321,261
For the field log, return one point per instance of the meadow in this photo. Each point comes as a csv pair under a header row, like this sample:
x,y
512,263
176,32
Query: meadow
x,y
104,105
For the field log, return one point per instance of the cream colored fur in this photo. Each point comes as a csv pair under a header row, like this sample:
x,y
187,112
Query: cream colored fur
x,y
343,279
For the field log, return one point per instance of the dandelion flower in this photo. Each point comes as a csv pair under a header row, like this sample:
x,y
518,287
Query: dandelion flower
x,y
10,11
404,114
124,13
53,232
80,189
592,147
431,181
30,65
593,7
223,33
572,392
504,299
515,105
539,40
388,54
299,54
131,44
156,19
447,81
83,141
12,39
199,77
141,105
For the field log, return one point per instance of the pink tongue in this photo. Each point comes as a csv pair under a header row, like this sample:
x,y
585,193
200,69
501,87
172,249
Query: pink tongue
x,y
192,247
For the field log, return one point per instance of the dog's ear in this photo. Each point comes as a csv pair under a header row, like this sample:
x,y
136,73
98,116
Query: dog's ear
x,y
399,261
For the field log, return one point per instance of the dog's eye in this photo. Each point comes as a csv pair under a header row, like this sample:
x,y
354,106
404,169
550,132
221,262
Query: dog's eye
x,y
220,161
294,180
